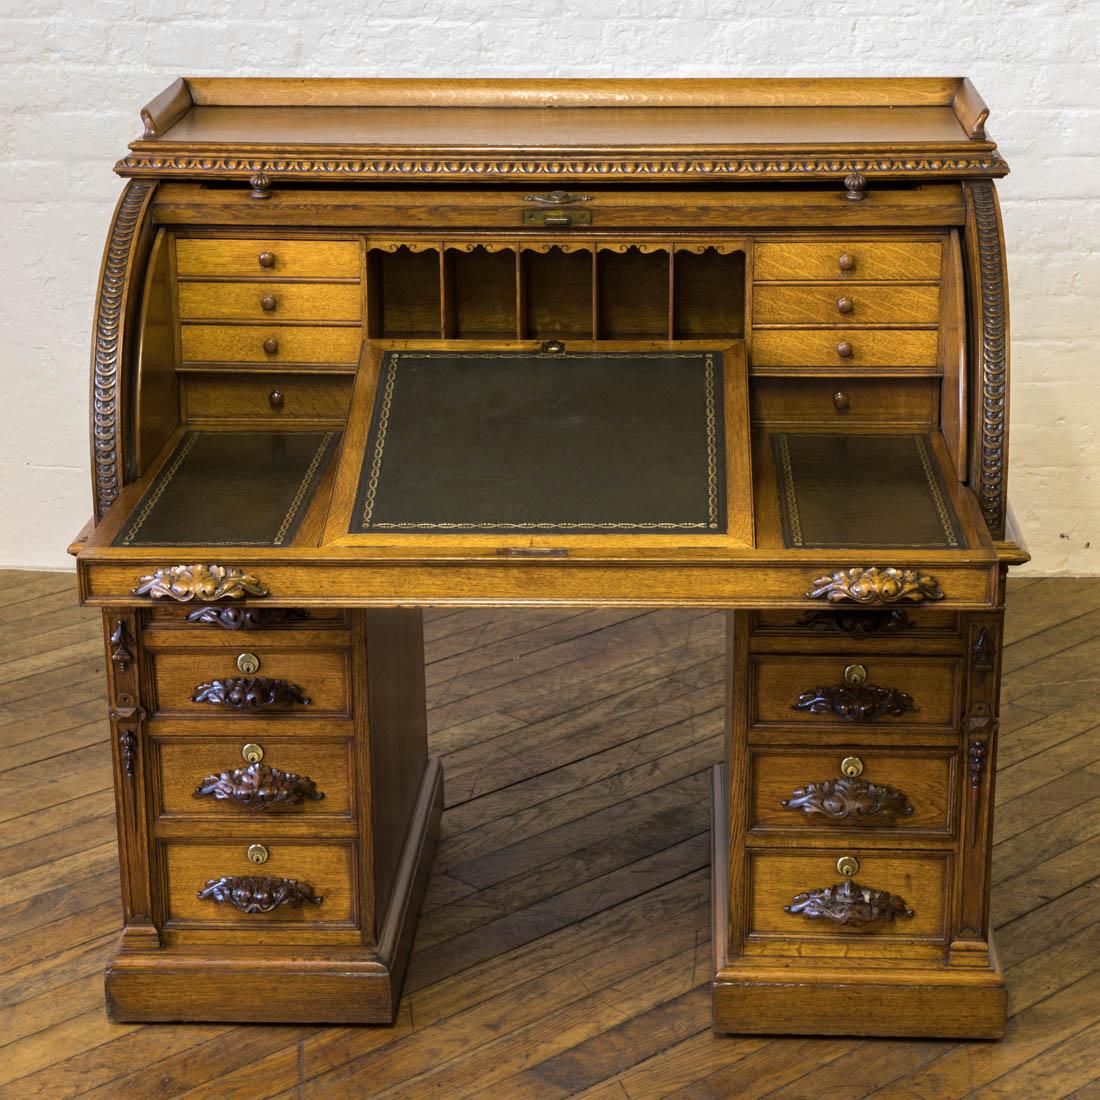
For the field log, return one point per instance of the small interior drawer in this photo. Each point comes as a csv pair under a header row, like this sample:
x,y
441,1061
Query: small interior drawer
x,y
845,349
264,397
845,304
783,687
258,301
846,259
852,788
839,401
319,675
326,869
285,781
259,257
781,879
270,343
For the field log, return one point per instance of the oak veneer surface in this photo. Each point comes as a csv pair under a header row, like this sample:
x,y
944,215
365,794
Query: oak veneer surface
x,y
564,949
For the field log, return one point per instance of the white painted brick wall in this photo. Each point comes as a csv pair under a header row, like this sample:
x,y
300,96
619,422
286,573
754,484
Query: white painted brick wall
x,y
73,74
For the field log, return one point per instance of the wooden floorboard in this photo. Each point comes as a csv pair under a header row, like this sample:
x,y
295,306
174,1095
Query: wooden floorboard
x,y
573,863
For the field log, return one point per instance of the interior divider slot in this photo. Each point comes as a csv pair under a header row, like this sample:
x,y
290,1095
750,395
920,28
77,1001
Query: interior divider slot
x,y
633,292
404,292
708,293
479,292
557,293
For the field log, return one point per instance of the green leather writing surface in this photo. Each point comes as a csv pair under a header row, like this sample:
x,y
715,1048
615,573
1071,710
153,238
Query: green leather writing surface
x,y
623,442
839,491
231,489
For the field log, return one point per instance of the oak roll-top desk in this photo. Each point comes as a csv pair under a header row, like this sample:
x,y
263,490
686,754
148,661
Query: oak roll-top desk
x,y
363,346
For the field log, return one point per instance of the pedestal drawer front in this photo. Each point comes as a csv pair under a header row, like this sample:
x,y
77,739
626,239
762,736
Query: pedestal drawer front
x,y
889,894
218,778
857,787
270,343
265,397
280,890
845,349
857,623
845,304
233,686
265,256
855,690
838,401
270,301
842,258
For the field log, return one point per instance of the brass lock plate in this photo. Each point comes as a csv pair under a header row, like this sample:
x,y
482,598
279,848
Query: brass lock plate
x,y
252,752
556,219
248,663
257,853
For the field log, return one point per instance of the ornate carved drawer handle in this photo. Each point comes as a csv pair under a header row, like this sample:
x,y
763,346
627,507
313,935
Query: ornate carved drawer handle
x,y
259,893
249,693
849,797
246,618
258,786
873,585
848,903
184,583
855,701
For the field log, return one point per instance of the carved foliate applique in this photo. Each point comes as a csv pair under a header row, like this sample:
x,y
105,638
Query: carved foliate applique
x,y
121,653
849,799
856,624
848,903
259,893
855,702
199,582
258,786
246,618
245,693
874,585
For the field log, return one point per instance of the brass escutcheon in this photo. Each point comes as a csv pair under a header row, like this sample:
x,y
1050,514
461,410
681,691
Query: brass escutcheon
x,y
855,674
252,753
848,865
248,663
851,766
258,853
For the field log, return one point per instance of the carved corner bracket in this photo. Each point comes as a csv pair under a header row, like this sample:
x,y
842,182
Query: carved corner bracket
x,y
183,583
876,585
849,903
258,786
849,798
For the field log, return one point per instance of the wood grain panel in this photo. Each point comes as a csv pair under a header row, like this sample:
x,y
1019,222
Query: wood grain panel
x,y
292,343
327,867
292,258
248,397
865,348
872,259
864,305
925,778
292,301
776,877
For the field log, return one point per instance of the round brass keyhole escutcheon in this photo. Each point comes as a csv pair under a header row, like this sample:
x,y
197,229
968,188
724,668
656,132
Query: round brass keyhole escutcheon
x,y
855,675
257,853
252,753
848,866
851,766
248,663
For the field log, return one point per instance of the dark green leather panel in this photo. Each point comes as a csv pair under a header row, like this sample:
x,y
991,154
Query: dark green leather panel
x,y
628,442
231,489
853,490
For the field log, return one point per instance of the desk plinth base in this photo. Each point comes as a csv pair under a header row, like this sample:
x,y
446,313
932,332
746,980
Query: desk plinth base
x,y
146,983
802,996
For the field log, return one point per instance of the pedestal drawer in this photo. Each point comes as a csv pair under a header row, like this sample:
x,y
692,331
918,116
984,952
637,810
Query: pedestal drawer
x,y
854,690
233,686
296,884
853,788
888,894
845,258
238,778
266,256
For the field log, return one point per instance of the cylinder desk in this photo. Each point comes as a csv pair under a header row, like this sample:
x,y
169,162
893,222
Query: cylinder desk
x,y
366,346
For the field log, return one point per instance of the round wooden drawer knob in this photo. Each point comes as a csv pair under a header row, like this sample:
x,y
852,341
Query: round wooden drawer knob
x,y
267,303
846,262
843,305
841,401
271,345
275,399
267,259
844,349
